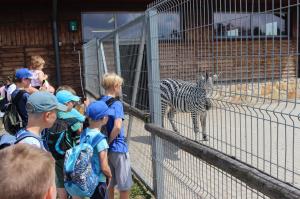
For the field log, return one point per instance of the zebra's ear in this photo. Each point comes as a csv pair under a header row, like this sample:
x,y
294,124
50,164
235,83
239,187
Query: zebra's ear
x,y
201,76
206,76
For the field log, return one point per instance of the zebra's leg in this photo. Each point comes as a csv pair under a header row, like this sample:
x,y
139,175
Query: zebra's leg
x,y
164,107
195,118
171,116
203,116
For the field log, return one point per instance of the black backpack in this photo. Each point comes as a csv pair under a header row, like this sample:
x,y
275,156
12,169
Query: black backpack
x,y
12,120
60,137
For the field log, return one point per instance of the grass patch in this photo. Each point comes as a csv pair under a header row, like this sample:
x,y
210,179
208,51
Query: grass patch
x,y
139,191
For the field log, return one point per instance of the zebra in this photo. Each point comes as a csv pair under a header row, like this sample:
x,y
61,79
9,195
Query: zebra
x,y
187,97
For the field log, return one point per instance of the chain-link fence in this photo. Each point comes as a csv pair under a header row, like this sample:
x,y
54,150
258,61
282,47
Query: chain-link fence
x,y
221,74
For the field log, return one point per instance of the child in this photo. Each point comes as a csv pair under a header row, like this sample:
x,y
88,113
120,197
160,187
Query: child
x,y
118,155
41,107
19,96
37,66
67,98
8,88
39,79
97,113
26,172
80,107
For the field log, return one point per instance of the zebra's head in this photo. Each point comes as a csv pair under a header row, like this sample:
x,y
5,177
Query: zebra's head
x,y
207,81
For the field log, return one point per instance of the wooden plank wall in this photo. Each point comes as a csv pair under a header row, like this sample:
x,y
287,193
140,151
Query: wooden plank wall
x,y
235,59
32,35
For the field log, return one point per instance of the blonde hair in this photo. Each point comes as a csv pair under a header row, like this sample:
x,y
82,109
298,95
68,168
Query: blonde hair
x,y
111,80
66,88
25,172
37,61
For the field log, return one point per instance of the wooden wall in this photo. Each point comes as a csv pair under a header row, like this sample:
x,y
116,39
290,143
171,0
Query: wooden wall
x,y
236,60
26,30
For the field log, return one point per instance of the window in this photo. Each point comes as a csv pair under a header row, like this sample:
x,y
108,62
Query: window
x,y
98,25
245,25
169,26
270,24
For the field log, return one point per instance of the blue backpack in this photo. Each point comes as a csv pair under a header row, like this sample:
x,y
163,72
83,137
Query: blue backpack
x,y
79,176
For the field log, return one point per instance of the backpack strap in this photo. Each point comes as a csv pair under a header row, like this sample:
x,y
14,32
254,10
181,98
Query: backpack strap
x,y
5,94
110,101
24,134
97,139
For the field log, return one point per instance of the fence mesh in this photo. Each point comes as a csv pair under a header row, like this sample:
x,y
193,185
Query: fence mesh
x,y
251,51
228,70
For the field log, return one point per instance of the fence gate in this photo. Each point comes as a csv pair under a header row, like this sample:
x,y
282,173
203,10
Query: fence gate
x,y
225,73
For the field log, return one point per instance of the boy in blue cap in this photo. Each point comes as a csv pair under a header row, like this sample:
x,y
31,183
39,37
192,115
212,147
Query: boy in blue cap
x,y
41,107
19,96
74,120
97,113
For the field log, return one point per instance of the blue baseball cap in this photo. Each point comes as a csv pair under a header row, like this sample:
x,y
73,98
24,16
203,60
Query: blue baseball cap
x,y
98,109
23,73
43,101
64,97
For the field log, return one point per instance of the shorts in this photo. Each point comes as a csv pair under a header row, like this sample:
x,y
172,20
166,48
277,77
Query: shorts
x,y
121,171
59,173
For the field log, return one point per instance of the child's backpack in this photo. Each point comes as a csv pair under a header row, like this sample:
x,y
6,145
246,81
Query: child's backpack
x,y
60,137
8,140
12,120
79,176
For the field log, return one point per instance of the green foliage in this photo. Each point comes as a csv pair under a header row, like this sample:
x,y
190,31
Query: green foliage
x,y
138,191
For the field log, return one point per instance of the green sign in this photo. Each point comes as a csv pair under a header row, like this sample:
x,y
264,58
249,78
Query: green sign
x,y
73,26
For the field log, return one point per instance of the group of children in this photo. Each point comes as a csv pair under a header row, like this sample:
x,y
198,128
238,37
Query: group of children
x,y
40,110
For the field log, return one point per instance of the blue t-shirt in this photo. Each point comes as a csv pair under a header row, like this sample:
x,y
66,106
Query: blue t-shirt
x,y
119,144
101,146
21,106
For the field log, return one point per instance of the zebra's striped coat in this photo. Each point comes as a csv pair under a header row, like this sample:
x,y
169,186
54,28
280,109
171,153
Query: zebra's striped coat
x,y
186,97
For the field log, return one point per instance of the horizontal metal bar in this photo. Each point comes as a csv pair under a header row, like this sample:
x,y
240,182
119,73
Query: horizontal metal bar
x,y
124,27
94,95
254,178
136,112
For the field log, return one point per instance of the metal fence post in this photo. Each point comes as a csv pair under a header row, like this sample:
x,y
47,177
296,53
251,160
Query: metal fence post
x,y
137,77
117,53
101,64
154,100
117,57
103,57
